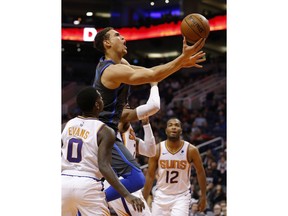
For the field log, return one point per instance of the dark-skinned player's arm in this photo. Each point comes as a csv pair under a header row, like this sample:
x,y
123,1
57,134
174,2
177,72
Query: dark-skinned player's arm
x,y
150,175
195,157
106,139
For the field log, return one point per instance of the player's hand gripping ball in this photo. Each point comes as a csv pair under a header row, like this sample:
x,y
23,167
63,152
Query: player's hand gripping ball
x,y
195,26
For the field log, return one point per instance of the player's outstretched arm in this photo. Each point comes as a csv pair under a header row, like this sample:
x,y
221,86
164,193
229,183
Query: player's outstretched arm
x,y
106,139
122,73
201,176
150,176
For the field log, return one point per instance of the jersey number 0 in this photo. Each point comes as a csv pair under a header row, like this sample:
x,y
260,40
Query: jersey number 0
x,y
74,150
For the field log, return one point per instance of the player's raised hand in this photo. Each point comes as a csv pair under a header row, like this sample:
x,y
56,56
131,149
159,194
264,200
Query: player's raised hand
x,y
191,56
136,202
191,50
194,60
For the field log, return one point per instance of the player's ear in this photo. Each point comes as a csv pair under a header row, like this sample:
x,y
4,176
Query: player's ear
x,y
97,105
106,43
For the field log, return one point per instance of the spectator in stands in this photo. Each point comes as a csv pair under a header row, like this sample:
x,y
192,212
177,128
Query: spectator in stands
x,y
200,121
209,157
209,175
193,191
175,85
221,105
170,112
219,128
198,137
222,166
209,192
217,194
221,116
168,96
215,173
194,210
217,210
223,205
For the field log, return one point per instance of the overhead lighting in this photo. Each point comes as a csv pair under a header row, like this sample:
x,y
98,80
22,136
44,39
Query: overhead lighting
x,y
163,55
76,22
152,3
218,5
103,14
89,13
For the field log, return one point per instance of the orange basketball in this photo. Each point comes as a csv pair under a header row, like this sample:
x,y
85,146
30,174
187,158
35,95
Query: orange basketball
x,y
195,26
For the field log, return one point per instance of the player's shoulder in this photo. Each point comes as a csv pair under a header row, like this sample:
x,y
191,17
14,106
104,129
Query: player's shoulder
x,y
106,131
115,68
193,152
192,147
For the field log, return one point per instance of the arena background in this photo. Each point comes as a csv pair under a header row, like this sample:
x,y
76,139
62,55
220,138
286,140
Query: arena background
x,y
31,89
192,95
79,60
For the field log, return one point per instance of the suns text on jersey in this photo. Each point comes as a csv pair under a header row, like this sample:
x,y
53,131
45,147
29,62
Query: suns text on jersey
x,y
173,164
79,132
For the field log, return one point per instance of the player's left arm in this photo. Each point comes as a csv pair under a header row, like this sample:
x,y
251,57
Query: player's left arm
x,y
195,157
151,172
105,139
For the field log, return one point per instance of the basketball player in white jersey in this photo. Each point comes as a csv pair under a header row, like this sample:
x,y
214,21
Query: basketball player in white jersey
x,y
86,159
172,162
136,145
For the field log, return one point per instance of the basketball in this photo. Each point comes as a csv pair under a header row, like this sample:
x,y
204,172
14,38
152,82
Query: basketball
x,y
195,26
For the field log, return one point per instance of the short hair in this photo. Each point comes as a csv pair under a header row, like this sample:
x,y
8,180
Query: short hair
x,y
175,119
86,99
100,37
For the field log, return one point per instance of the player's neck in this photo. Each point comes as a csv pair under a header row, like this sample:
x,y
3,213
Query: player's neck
x,y
114,57
174,145
89,115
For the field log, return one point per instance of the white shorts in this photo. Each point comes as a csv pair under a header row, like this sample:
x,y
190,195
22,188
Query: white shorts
x,y
84,194
122,207
172,205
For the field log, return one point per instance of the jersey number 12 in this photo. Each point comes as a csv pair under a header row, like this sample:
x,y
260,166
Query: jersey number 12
x,y
171,176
